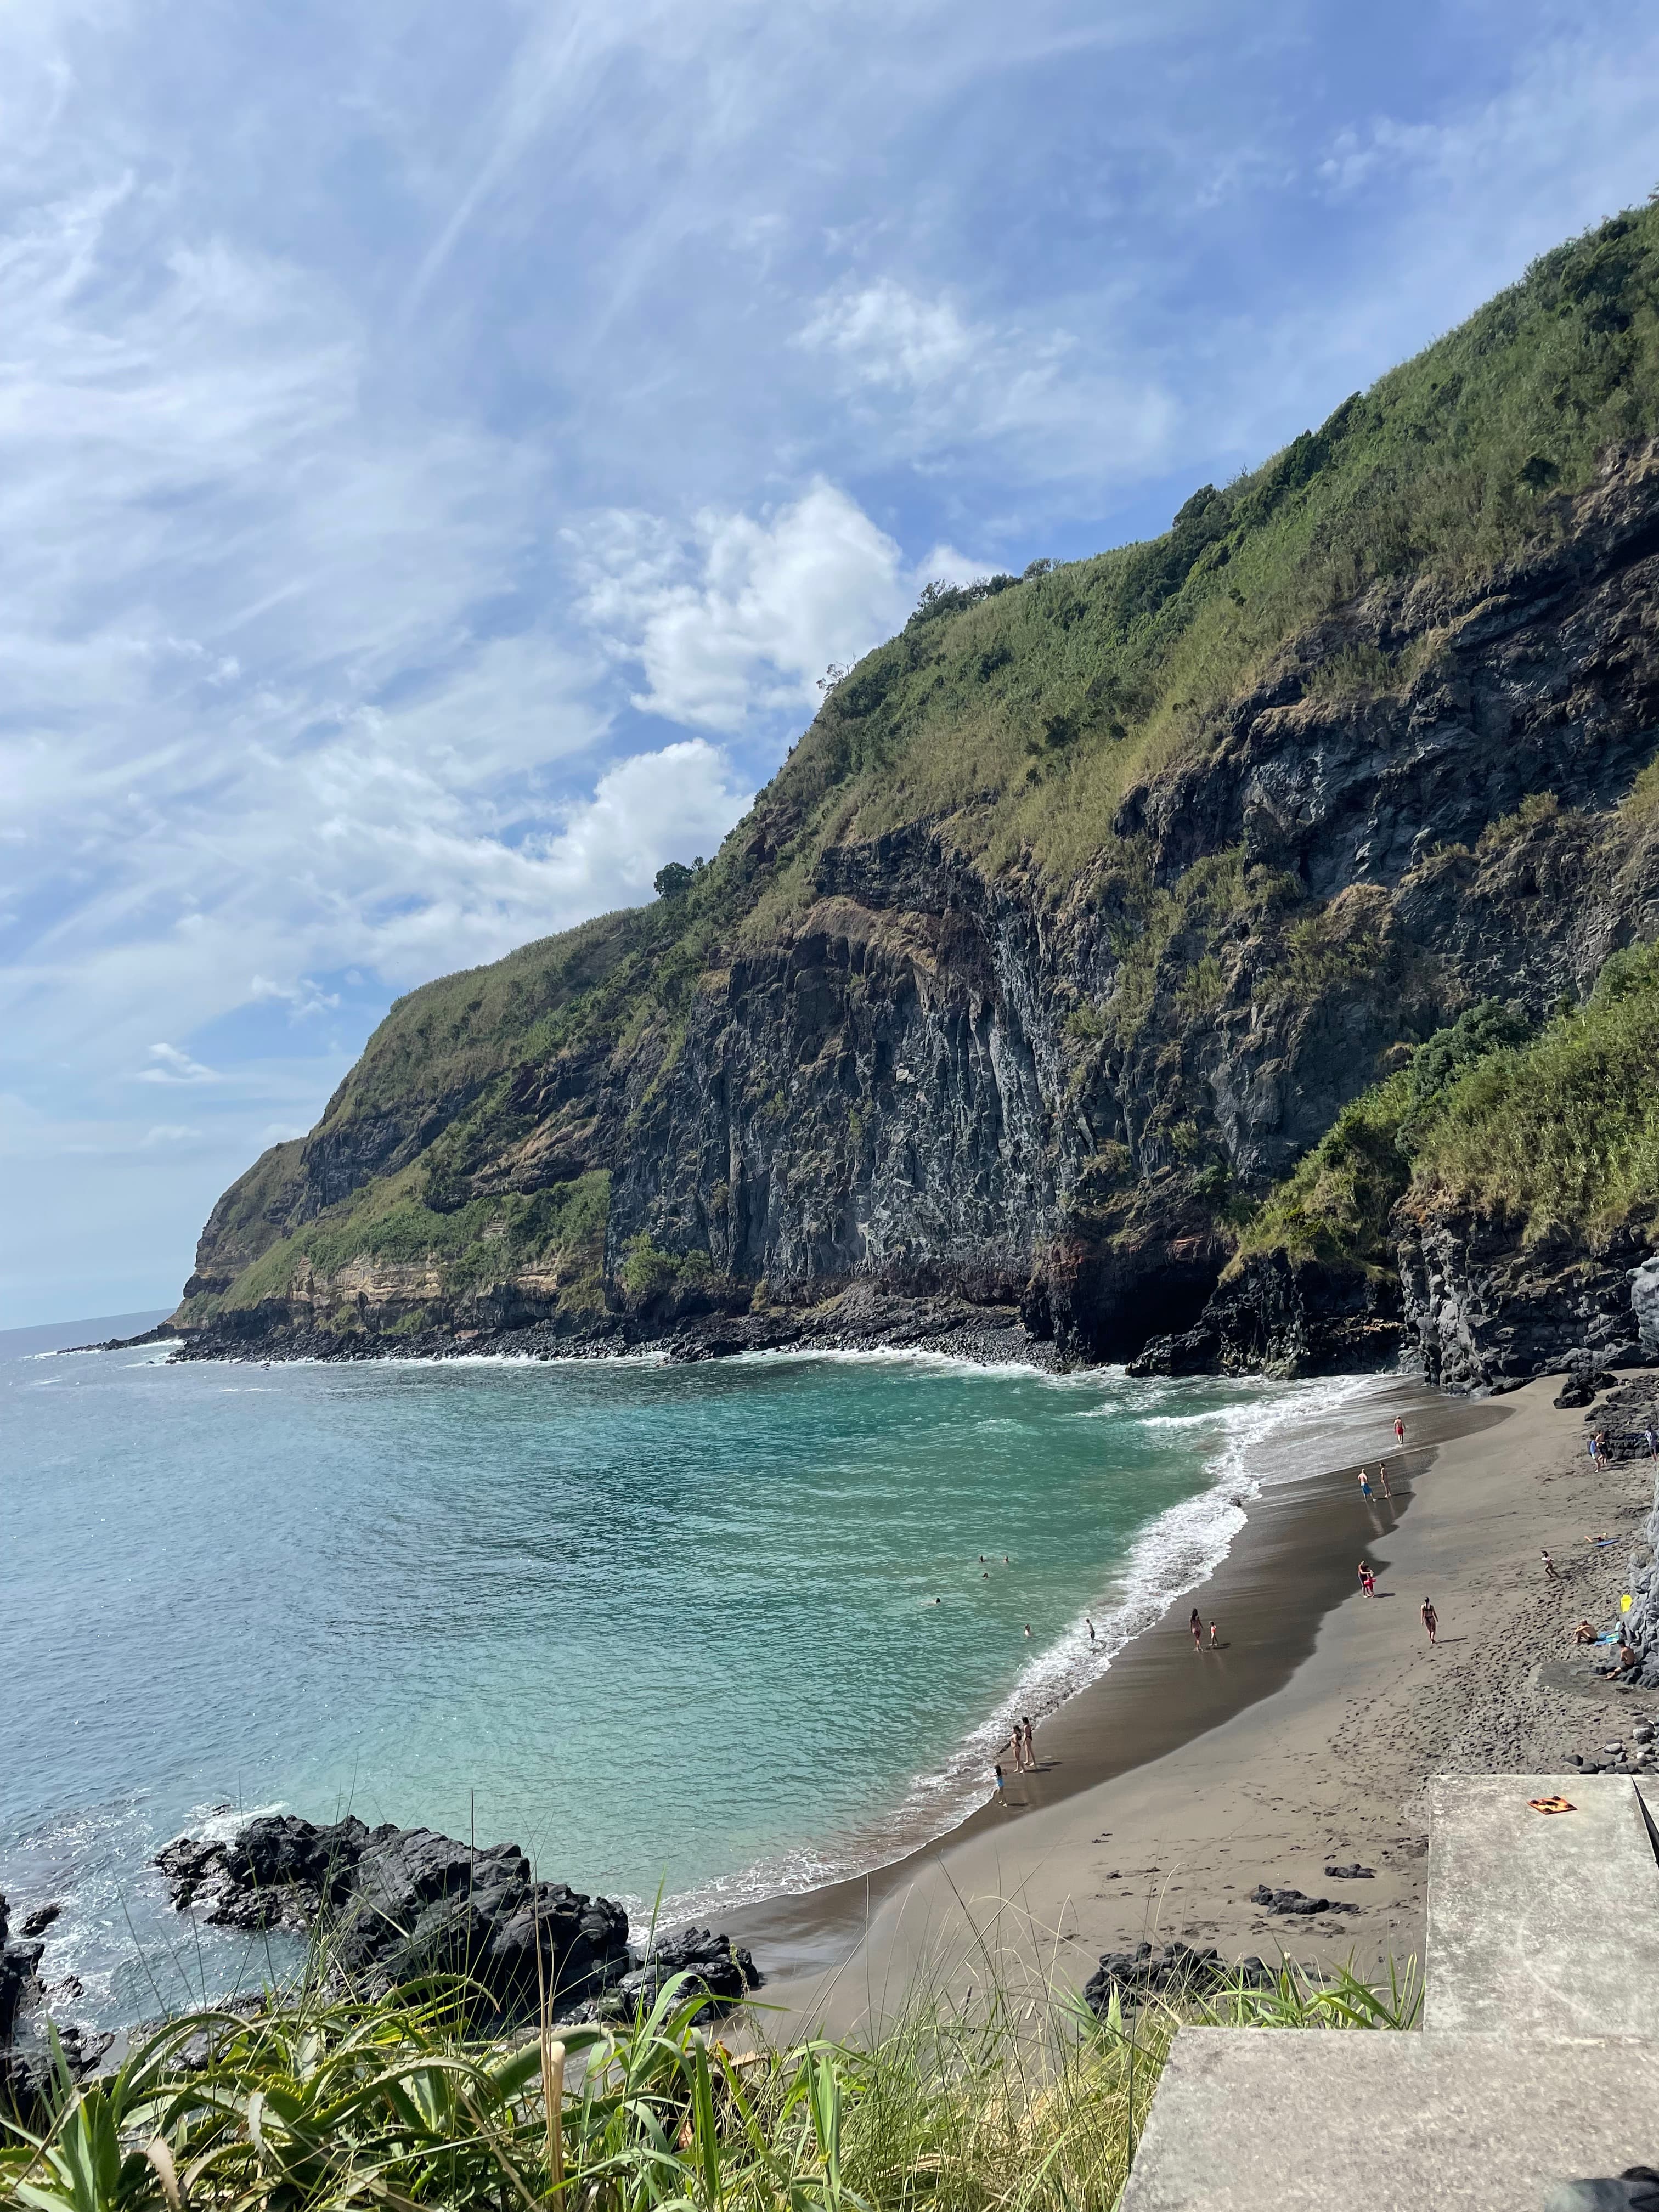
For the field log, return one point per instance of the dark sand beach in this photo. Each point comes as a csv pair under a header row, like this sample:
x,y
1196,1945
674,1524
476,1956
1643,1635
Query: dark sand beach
x,y
1175,1784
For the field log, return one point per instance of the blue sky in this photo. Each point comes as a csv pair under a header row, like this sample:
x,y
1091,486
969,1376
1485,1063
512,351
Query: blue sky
x,y
439,447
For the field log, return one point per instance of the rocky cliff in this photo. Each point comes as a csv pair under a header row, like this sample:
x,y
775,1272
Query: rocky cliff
x,y
1082,911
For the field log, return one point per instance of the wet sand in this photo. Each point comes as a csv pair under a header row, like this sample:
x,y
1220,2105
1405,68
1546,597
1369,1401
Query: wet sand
x,y
1172,1786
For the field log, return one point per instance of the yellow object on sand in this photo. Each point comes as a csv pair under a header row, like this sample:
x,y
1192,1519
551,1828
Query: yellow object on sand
x,y
1623,1602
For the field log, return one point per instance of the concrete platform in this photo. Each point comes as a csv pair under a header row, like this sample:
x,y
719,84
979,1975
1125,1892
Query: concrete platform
x,y
1301,2120
1542,1927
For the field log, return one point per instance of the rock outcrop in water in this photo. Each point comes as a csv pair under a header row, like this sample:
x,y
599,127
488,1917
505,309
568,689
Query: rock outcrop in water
x,y
397,1906
1046,955
26,2017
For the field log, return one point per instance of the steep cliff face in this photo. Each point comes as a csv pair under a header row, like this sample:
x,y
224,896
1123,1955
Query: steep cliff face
x,y
1079,915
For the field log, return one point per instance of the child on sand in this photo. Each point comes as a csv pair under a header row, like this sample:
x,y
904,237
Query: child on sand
x,y
1431,1619
1367,1580
1214,1635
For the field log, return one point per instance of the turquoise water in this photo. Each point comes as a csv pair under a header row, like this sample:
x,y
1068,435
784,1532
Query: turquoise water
x,y
718,1630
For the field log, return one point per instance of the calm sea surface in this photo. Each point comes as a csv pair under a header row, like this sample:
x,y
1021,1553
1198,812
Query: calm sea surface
x,y
718,1630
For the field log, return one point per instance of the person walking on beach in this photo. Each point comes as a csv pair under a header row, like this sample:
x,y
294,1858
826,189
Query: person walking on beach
x,y
1195,1622
1549,1568
1214,1635
1382,1479
1001,1779
1399,1434
1365,1485
1431,1619
1367,1580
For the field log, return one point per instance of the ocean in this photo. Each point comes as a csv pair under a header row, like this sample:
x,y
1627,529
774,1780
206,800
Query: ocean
x,y
689,1634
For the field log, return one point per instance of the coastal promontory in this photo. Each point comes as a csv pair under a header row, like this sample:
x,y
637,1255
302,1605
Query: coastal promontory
x,y
1201,953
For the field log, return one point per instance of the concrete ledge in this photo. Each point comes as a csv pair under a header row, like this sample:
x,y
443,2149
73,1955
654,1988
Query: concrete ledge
x,y
1301,2120
1539,1927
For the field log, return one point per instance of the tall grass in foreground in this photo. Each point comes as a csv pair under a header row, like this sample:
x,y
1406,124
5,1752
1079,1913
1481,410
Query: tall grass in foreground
x,y
346,2104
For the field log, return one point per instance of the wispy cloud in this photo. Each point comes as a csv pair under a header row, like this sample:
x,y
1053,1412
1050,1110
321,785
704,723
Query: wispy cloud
x,y
439,453
170,1065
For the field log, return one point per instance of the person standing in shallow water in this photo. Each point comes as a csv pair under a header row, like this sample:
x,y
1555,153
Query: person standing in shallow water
x,y
1431,1619
1399,1433
1365,1485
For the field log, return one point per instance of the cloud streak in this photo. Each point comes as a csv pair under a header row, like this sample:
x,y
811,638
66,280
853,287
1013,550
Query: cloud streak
x,y
439,456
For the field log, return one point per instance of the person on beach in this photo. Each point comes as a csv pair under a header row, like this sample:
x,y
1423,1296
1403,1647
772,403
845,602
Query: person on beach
x,y
1382,1479
1195,1622
1365,1485
1652,1441
1016,1744
1001,1779
1090,1626
1399,1433
1549,1568
1367,1580
1031,1748
1215,1635
1431,1619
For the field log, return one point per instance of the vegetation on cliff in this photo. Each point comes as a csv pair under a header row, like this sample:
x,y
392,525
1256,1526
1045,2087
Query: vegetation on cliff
x,y
1037,798
1552,1133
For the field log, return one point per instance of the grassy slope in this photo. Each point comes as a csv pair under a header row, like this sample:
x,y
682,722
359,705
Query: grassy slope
x,y
1017,719
992,2106
1558,1133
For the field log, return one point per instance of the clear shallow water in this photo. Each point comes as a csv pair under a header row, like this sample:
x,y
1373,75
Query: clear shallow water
x,y
663,1626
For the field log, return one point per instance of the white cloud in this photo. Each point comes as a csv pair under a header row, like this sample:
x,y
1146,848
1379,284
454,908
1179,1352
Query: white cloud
x,y
170,1133
935,380
890,336
170,1065
742,615
302,998
674,804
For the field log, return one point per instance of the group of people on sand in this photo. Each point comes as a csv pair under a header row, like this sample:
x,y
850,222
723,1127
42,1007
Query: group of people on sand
x,y
1426,1613
1382,1481
1196,1624
1022,1749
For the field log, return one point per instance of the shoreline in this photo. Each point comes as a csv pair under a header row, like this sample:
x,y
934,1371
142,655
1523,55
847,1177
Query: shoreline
x,y
1155,1695
1157,1811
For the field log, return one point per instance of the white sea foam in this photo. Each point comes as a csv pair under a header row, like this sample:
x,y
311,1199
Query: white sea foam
x,y
1278,1433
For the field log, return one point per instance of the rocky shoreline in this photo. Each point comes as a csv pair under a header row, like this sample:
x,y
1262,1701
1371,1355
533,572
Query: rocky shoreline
x,y
27,2023
396,1908
863,1318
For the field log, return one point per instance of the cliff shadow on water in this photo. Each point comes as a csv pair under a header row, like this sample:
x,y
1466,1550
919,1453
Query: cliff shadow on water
x,y
1143,957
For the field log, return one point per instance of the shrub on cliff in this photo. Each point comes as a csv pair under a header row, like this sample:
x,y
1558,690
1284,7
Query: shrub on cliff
x,y
1335,1204
1563,1131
